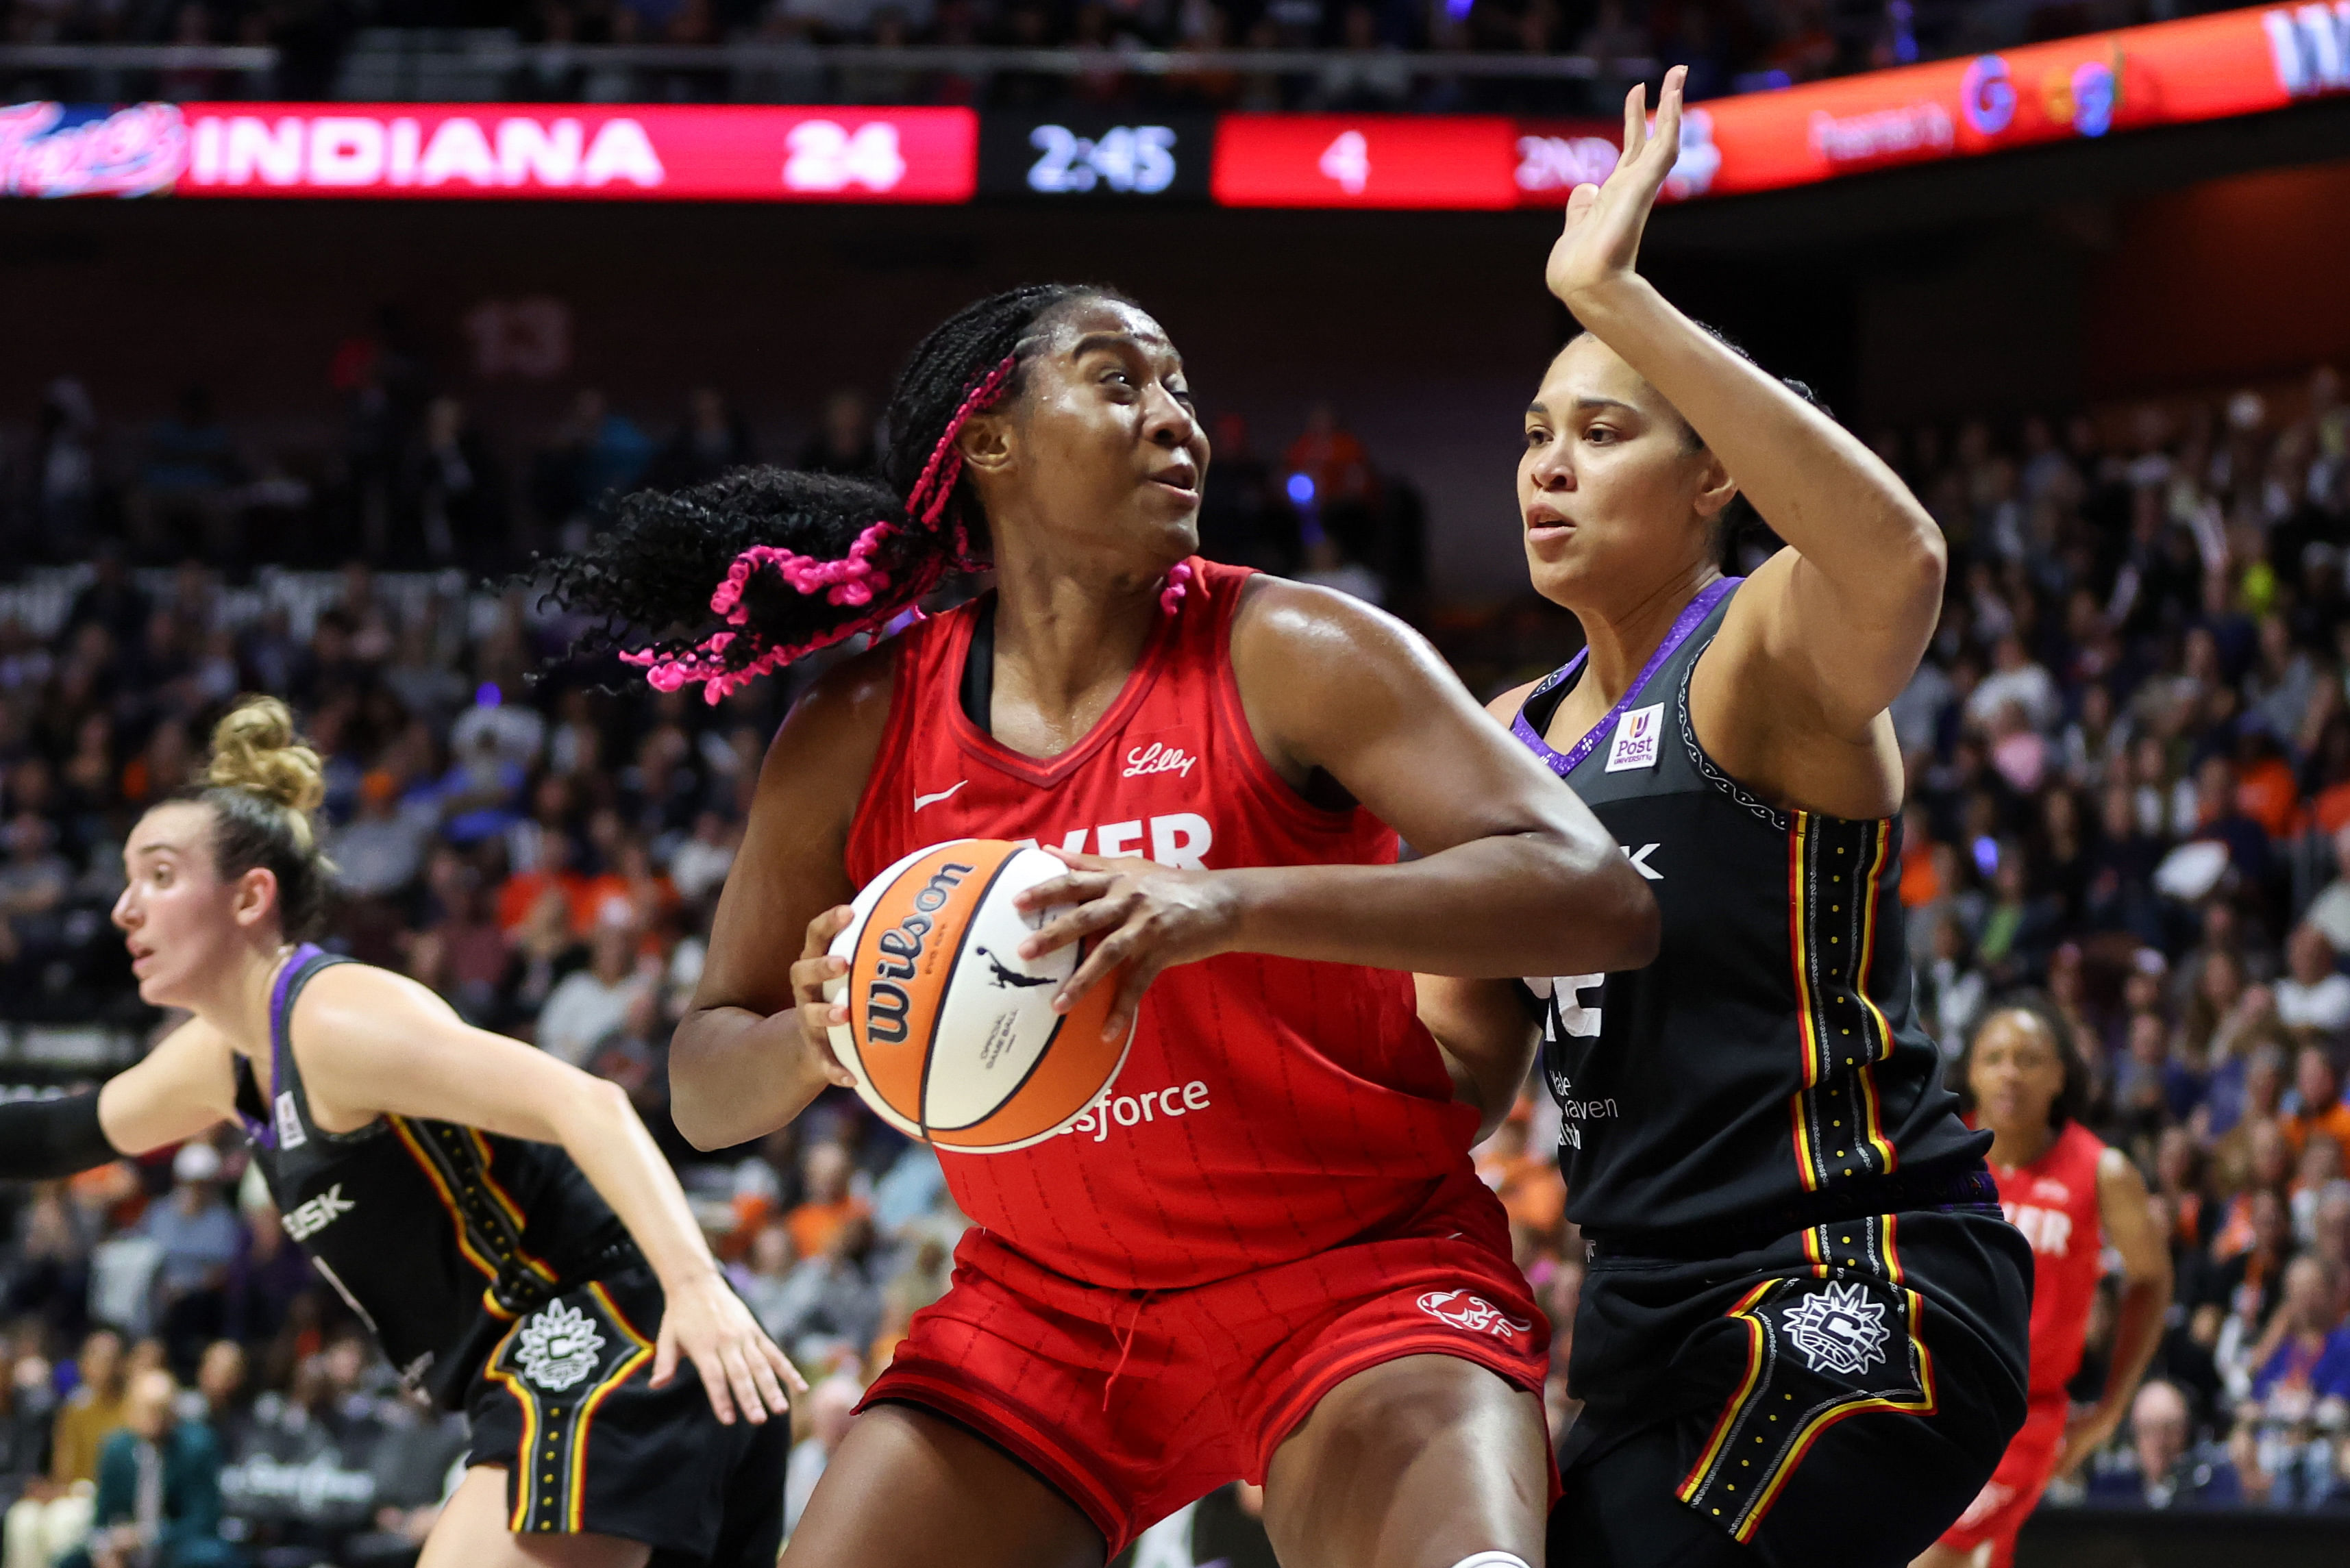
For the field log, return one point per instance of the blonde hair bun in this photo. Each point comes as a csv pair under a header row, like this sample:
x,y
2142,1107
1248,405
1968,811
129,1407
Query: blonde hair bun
x,y
254,749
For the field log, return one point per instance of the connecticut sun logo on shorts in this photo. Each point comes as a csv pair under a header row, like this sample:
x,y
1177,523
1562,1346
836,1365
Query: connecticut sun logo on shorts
x,y
1474,1313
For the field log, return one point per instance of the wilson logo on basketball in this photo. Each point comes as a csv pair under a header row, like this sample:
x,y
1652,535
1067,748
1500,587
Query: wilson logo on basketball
x,y
950,1031
886,1001
1474,1313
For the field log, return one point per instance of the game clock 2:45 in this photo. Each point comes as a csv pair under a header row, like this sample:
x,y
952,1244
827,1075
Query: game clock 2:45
x,y
1096,156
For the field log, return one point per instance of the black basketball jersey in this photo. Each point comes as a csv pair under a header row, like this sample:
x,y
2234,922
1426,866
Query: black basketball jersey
x,y
439,1236
1770,1061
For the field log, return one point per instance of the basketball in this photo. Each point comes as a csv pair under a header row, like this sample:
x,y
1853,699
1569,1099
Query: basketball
x,y
951,1034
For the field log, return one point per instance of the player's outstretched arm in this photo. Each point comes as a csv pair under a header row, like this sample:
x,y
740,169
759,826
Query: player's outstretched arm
x,y
1513,875
179,1088
1839,621
371,1042
2128,1216
745,1062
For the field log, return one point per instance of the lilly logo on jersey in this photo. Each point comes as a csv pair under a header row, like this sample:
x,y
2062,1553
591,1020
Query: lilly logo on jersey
x,y
886,1001
1460,1309
1158,758
308,1219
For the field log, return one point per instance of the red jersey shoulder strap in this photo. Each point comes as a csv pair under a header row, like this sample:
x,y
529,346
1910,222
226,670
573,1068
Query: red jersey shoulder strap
x,y
2077,1148
917,655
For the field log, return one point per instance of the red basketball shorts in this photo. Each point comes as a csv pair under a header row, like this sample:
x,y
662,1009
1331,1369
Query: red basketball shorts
x,y
2007,1499
1133,1403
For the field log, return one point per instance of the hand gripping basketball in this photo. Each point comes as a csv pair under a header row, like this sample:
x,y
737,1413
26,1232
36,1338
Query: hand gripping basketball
x,y
817,1016
1156,916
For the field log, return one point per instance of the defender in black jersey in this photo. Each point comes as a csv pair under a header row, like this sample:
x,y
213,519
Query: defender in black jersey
x,y
1800,1338
501,1219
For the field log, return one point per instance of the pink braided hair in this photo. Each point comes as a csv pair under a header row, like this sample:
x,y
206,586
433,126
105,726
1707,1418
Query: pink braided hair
x,y
851,580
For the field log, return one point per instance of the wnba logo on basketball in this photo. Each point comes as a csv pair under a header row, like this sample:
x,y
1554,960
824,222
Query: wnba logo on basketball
x,y
885,999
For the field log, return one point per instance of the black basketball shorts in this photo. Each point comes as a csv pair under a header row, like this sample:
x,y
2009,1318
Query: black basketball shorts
x,y
564,1404
1832,1399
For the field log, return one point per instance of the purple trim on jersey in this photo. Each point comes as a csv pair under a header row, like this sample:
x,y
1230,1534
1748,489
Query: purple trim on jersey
x,y
1692,614
265,1131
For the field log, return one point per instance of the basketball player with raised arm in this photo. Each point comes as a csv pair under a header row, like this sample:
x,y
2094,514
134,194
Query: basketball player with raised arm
x,y
1269,1257
500,1219
2073,1197
1801,1341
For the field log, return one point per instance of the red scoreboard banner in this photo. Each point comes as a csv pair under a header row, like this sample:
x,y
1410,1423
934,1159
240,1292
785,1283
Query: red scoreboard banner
x,y
507,151
1363,161
2170,73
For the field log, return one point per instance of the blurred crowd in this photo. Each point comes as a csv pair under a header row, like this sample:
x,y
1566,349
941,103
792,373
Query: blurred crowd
x,y
1730,45
2129,759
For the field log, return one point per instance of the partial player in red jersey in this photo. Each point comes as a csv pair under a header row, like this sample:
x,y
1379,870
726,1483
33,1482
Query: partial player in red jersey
x,y
2071,1195
1263,1253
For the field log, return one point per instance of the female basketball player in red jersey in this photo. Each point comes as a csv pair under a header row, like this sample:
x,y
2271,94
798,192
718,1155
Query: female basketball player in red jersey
x,y
1266,1254
1801,1339
2072,1196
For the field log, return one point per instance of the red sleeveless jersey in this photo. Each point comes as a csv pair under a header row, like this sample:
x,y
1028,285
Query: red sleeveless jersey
x,y
2053,1201
1270,1107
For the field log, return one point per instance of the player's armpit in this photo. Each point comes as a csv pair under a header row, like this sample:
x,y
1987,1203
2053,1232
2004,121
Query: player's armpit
x,y
1488,1039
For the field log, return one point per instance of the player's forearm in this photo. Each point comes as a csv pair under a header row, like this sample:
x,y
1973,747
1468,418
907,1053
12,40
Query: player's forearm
x,y
1818,487
2137,1332
43,1139
602,1133
729,1082
1491,909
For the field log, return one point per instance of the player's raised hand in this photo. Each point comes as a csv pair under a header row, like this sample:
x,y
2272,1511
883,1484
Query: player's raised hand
x,y
815,967
1601,241
1154,916
705,1322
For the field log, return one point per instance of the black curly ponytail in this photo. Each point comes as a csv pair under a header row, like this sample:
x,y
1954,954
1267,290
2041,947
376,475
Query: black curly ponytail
x,y
731,579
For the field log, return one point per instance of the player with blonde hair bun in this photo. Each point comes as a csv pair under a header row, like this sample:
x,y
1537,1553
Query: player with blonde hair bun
x,y
501,1219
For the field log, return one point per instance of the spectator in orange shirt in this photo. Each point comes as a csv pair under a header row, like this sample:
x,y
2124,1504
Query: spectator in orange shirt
x,y
2266,790
632,891
826,1204
2321,1109
520,893
2331,810
1921,879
